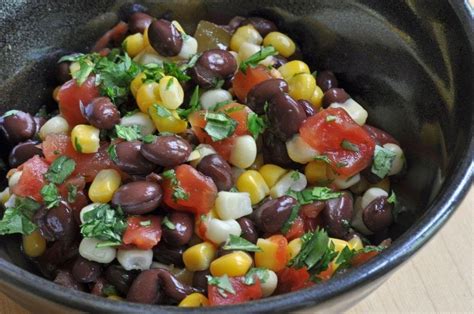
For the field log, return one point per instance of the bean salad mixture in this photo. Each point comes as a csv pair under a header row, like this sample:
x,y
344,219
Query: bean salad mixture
x,y
196,170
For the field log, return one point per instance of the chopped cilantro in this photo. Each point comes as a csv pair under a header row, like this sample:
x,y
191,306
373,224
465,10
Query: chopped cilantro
x,y
291,219
254,59
60,169
295,175
392,198
169,84
71,193
383,159
255,124
323,158
145,223
222,283
104,223
161,111
219,126
178,192
220,104
237,243
50,195
330,118
347,145
77,145
260,273
112,152
194,104
310,195
128,133
168,223
18,219
148,139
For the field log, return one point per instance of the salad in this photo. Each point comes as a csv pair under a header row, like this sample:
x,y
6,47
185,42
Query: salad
x,y
196,169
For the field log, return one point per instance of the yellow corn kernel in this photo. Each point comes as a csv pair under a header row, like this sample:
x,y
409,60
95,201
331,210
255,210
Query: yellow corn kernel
x,y
34,244
294,247
317,98
290,69
133,44
282,43
339,244
167,120
271,174
194,300
115,298
271,256
233,264
136,83
198,257
316,171
301,86
243,34
356,243
252,182
85,139
146,39
105,183
171,92
384,185
147,95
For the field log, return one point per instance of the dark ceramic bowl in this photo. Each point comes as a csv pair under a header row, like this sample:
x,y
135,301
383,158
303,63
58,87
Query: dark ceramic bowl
x,y
409,62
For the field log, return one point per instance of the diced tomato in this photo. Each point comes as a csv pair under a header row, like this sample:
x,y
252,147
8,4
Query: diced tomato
x,y
292,279
363,257
239,113
243,292
296,229
115,35
326,132
143,231
32,178
326,274
70,97
200,190
243,82
87,165
310,214
78,181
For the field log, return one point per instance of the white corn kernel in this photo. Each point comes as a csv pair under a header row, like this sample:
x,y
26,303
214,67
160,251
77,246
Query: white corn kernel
x,y
357,219
370,195
135,259
203,150
345,183
299,151
355,111
269,286
149,55
14,178
89,250
233,205
248,49
86,209
218,231
398,161
189,47
293,180
55,125
243,152
212,97
142,120
237,59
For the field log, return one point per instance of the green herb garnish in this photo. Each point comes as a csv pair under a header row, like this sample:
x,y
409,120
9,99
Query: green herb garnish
x,y
128,133
347,145
19,218
260,273
194,104
61,168
317,193
254,59
255,124
104,223
71,193
168,223
50,195
237,243
178,192
383,159
219,126
222,283
291,219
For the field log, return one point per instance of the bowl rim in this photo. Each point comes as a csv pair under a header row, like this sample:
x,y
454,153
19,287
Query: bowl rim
x,y
438,212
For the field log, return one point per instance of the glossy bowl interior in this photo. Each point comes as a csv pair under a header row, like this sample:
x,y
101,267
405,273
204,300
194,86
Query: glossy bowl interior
x,y
410,63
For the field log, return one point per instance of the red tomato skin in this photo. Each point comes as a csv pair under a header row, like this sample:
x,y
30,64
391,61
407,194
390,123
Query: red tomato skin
x,y
292,279
201,191
296,229
143,237
70,97
244,82
326,137
243,292
362,258
325,275
32,178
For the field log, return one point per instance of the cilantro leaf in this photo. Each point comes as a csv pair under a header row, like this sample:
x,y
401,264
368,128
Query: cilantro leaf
x,y
237,243
317,193
128,133
291,219
254,59
295,175
168,223
194,104
50,195
112,152
18,219
104,223
222,283
71,193
383,159
331,118
60,169
260,273
161,111
148,139
145,223
255,124
324,158
348,145
219,126
392,198
178,192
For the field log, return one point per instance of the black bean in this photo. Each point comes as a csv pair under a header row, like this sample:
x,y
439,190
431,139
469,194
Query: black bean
x,y
168,255
139,22
39,121
249,232
274,150
120,278
165,38
378,214
64,278
138,198
22,152
63,73
200,279
221,252
285,116
56,223
272,214
379,136
190,137
326,80
182,232
307,107
234,23
263,26
102,113
130,160
17,126
58,253
213,65
167,151
333,95
279,60
337,215
128,9
85,271
263,92
218,169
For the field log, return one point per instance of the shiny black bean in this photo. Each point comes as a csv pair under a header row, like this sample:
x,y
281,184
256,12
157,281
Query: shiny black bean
x,y
200,280
263,92
307,107
17,126
58,253
62,72
182,232
120,278
56,223
378,214
167,151
139,22
233,24
64,278
167,255
279,60
263,26
273,214
102,113
190,137
138,198
274,150
39,121
326,80
337,215
285,116
22,152
165,38
218,169
85,271
221,252
333,95
249,232
213,65
130,160
128,9
152,285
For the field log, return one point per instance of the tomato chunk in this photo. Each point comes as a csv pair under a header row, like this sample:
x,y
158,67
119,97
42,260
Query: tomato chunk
x,y
143,231
239,113
243,82
243,292
333,133
32,178
292,279
70,97
363,257
296,230
199,195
